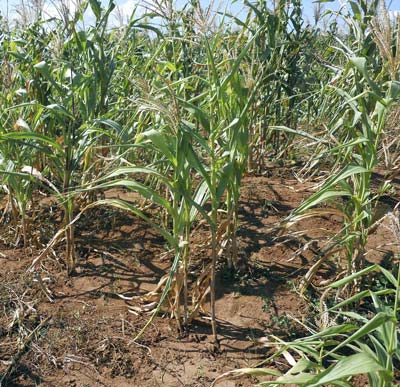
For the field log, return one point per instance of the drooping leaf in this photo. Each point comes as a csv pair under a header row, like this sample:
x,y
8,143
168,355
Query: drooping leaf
x,y
357,364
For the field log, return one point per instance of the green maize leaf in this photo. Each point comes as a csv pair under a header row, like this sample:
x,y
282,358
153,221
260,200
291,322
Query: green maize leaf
x,y
351,100
199,208
201,196
307,347
42,66
354,316
197,165
357,13
213,71
302,365
191,130
361,65
359,363
95,5
378,350
318,198
352,277
357,118
22,136
391,278
59,109
146,192
171,66
110,8
149,27
300,380
26,104
112,124
385,331
238,60
334,331
203,117
26,176
394,90
162,142
44,69
260,371
354,298
237,20
351,144
369,327
223,182
324,193
231,125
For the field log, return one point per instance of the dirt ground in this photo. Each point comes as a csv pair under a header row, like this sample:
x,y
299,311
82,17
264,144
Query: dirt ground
x,y
85,336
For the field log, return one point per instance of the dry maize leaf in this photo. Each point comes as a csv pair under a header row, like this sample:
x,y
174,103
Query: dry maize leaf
x,y
314,269
246,371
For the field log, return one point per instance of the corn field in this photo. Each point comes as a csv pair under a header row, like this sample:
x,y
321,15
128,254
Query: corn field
x,y
191,177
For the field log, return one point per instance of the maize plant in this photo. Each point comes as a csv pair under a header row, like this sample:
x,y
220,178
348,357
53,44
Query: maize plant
x,y
65,115
177,104
360,124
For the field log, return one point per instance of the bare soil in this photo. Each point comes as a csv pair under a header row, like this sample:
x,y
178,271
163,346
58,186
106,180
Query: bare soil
x,y
87,339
